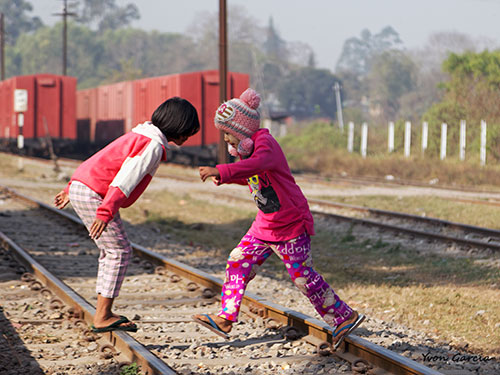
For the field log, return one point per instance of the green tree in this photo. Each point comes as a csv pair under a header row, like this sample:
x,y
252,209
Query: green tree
x,y
275,47
473,88
308,92
105,14
17,21
472,93
41,52
358,53
393,75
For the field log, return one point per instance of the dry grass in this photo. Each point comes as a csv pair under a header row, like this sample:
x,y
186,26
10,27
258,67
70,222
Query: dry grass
x,y
451,297
321,148
456,298
442,208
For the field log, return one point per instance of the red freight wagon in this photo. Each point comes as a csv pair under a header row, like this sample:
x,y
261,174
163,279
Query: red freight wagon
x,y
200,88
106,112
36,106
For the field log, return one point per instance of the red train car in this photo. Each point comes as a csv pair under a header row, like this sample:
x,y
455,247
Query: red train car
x,y
34,107
106,112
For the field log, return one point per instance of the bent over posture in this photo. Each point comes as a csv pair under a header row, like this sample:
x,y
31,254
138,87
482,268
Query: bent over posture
x,y
113,178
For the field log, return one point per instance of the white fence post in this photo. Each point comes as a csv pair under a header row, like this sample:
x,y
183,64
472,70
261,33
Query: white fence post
x,y
425,135
407,138
444,129
350,137
364,139
462,139
390,139
483,142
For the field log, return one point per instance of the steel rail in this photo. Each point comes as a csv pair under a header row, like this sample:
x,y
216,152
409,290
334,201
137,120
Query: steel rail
x,y
398,182
402,215
354,347
397,228
131,348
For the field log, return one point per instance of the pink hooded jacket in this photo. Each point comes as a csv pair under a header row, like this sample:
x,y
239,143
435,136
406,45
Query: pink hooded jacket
x,y
283,210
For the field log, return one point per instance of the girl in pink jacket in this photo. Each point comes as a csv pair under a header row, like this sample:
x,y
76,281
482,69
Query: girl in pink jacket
x,y
113,178
283,224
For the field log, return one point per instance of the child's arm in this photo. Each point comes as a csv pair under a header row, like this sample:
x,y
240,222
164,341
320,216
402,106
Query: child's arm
x,y
61,199
206,172
131,173
263,158
96,229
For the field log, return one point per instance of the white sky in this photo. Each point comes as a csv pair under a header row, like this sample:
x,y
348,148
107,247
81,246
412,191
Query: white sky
x,y
325,24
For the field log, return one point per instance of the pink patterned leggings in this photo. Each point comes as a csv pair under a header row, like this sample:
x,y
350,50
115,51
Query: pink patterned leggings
x,y
248,256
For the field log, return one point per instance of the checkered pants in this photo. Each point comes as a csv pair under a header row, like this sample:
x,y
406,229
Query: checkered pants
x,y
113,243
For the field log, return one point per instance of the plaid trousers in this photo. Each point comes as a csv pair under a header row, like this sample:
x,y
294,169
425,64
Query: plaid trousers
x,y
114,244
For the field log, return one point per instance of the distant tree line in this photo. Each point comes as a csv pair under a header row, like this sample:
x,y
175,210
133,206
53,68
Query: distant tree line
x,y
381,81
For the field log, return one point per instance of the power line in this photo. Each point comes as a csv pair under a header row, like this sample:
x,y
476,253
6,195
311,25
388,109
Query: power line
x,y
65,15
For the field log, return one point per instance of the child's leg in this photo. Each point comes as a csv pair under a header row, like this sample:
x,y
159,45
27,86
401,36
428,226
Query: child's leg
x,y
114,246
242,266
296,256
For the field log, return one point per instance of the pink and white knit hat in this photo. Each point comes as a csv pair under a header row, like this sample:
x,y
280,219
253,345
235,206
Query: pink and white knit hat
x,y
240,117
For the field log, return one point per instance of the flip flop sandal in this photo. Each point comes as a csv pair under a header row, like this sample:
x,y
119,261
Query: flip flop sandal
x,y
212,326
346,330
116,326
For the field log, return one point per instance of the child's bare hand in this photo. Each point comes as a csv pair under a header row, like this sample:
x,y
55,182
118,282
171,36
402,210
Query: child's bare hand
x,y
206,172
96,229
61,200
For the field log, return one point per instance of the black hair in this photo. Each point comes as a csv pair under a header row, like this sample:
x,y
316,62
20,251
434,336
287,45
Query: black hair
x,y
176,117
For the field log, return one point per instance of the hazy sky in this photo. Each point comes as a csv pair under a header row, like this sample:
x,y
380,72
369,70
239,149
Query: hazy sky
x,y
325,24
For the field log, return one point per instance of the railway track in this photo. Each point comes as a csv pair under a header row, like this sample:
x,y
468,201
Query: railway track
x,y
162,294
468,237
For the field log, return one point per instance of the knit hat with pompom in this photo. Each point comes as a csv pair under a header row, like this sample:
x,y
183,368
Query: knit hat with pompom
x,y
240,117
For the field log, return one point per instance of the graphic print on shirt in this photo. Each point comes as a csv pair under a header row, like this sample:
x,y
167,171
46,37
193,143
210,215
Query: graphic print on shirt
x,y
264,196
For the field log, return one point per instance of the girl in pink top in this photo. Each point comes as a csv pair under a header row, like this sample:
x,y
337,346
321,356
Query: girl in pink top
x,y
283,224
113,178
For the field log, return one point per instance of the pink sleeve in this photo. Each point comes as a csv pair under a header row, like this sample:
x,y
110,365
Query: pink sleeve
x,y
110,204
66,189
261,160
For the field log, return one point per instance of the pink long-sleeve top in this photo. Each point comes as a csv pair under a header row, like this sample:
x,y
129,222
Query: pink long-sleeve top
x,y
283,210
122,170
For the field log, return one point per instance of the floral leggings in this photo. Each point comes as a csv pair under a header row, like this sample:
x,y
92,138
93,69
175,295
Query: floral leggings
x,y
248,256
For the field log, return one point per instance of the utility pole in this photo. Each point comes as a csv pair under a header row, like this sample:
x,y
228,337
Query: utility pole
x,y
2,48
65,15
222,155
336,88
